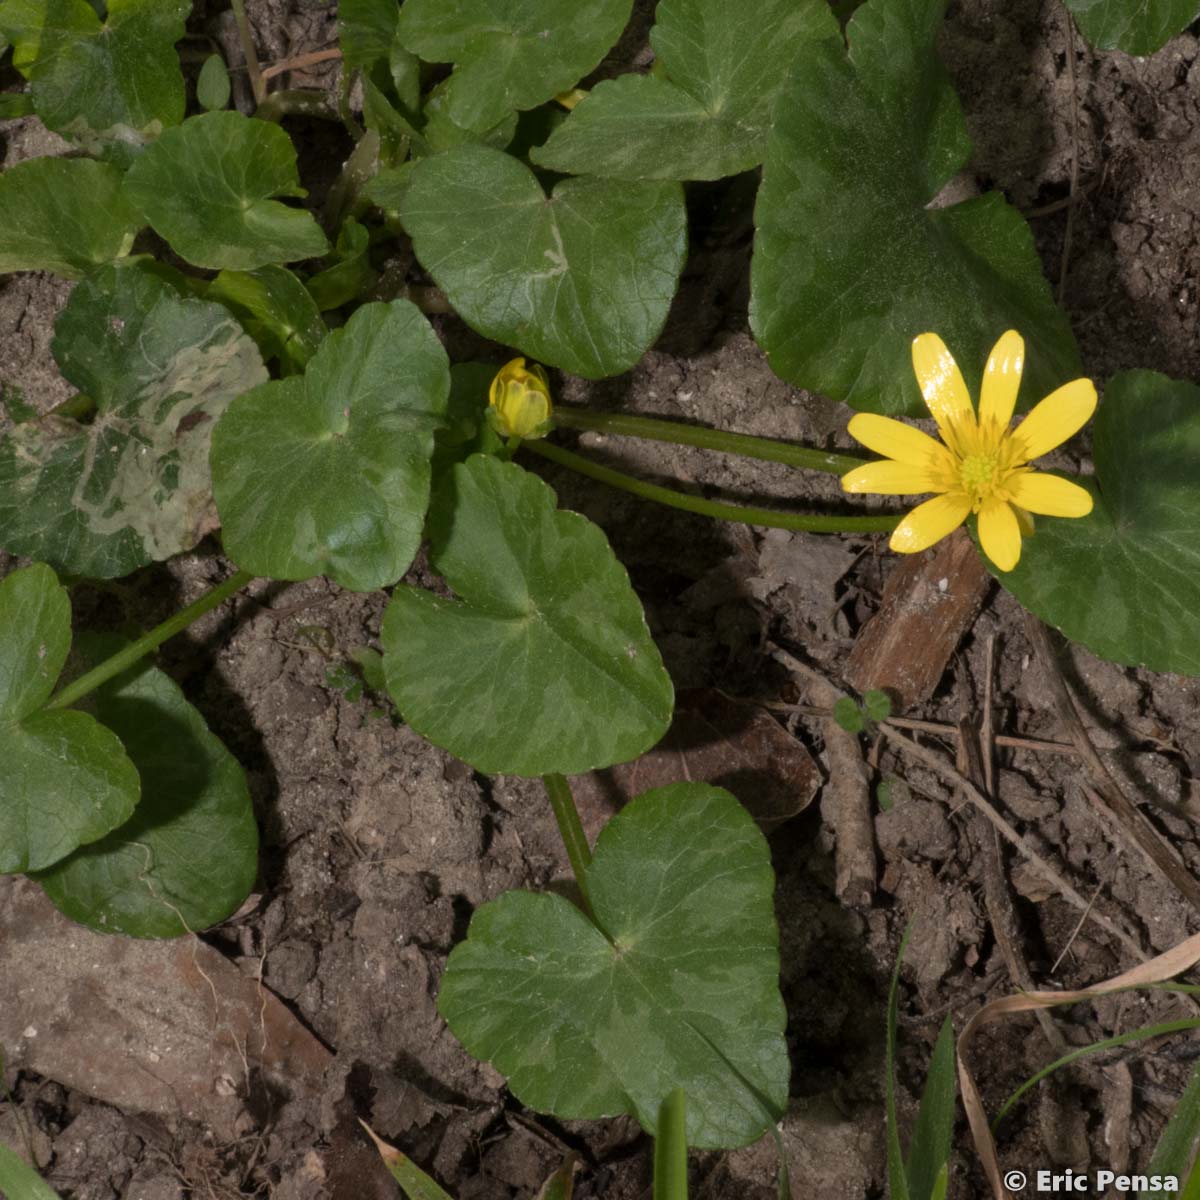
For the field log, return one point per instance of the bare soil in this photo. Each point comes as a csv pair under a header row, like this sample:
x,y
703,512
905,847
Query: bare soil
x,y
377,847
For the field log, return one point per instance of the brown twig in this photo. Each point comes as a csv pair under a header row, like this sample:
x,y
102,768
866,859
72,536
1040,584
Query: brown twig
x,y
1127,818
1071,195
249,54
300,61
846,801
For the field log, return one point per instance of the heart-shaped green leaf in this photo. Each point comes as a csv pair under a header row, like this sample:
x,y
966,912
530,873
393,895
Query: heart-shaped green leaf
x,y
206,187
709,113
676,984
110,86
1135,26
581,279
131,486
66,779
65,215
850,260
329,472
275,309
544,663
1123,580
511,56
188,856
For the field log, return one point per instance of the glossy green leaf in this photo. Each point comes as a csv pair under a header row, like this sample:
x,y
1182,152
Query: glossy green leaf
x,y
706,109
351,275
442,133
132,485
188,856
544,663
110,86
14,105
213,87
66,779
207,188
65,215
19,1181
366,30
1122,581
676,984
850,260
1135,26
581,280
511,56
275,309
329,472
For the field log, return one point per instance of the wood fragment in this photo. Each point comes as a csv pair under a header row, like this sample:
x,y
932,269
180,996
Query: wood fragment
x,y
929,601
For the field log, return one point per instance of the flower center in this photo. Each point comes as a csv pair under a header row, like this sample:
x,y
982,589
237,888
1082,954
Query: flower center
x,y
979,475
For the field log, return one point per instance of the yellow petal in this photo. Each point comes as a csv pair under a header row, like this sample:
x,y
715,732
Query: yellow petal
x,y
890,478
1050,495
1000,534
942,385
894,439
1061,415
930,522
1001,380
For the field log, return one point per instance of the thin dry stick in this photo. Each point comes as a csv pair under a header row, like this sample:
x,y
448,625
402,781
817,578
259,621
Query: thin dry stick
x,y
988,732
295,64
996,895
952,777
1075,932
248,52
1126,815
849,793
1066,250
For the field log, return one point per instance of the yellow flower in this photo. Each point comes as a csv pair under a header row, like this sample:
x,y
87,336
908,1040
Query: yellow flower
x,y
519,400
980,465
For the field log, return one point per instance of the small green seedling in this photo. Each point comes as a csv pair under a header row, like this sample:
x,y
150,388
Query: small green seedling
x,y
859,717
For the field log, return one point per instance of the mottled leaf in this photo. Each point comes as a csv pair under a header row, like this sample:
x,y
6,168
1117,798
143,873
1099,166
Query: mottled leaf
x,y
109,85
66,779
1123,580
851,259
329,472
581,279
65,215
188,856
544,662
132,486
675,984
1135,26
511,56
207,188
705,111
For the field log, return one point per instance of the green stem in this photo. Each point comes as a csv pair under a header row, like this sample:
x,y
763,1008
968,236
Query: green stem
x,y
296,102
659,430
570,829
808,522
246,36
124,659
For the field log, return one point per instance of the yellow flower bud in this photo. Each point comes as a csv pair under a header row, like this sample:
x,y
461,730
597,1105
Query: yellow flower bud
x,y
519,401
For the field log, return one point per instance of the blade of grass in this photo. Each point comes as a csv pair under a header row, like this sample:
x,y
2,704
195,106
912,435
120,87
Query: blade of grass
x,y
1121,1039
560,1185
930,1149
19,1181
670,1149
414,1183
897,1175
1173,1154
